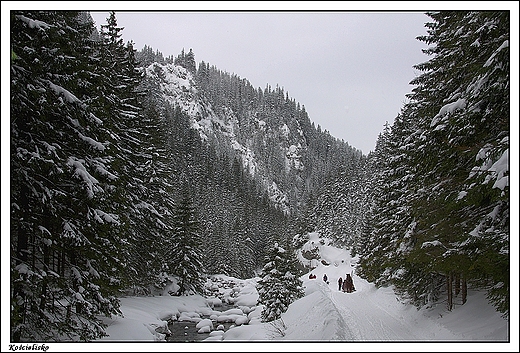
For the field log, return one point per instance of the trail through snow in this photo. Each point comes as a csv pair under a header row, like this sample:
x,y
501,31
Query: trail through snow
x,y
376,314
364,316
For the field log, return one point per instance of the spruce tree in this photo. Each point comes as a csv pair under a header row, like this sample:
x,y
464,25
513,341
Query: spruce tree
x,y
183,253
279,284
65,238
464,92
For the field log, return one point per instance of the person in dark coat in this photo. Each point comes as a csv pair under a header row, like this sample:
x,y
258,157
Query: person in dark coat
x,y
348,284
340,282
325,278
344,286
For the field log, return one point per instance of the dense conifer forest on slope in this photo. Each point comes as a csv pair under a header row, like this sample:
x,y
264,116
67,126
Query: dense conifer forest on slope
x,y
129,169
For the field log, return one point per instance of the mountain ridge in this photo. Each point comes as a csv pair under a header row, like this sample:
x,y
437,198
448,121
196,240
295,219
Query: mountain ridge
x,y
249,122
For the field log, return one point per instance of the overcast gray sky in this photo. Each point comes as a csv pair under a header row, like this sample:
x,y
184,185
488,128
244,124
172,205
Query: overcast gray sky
x,y
351,70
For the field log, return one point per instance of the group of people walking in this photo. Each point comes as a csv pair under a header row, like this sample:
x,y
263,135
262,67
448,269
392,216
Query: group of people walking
x,y
347,284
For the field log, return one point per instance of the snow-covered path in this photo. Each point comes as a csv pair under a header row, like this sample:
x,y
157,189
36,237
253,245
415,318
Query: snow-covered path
x,y
369,314
375,314
367,318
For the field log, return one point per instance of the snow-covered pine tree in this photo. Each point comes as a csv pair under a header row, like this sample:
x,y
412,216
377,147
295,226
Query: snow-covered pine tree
x,y
488,181
464,109
369,267
187,61
390,235
279,284
61,180
152,191
155,143
183,253
118,104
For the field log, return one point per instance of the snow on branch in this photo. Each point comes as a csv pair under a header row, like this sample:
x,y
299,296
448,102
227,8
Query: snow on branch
x,y
44,230
428,244
82,173
149,207
484,151
448,109
76,274
100,168
95,119
499,169
95,144
103,217
34,23
69,97
489,61
92,270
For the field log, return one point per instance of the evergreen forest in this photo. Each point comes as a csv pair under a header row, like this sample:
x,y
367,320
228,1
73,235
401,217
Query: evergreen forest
x,y
130,170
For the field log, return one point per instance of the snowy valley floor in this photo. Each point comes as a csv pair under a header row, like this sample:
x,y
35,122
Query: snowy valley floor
x,y
365,319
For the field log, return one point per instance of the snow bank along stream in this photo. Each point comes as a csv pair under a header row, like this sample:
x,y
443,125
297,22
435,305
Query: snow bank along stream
x,y
229,305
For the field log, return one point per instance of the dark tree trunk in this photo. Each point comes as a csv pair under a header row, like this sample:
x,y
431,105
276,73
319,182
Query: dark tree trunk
x,y
449,285
464,291
43,295
22,249
457,284
75,286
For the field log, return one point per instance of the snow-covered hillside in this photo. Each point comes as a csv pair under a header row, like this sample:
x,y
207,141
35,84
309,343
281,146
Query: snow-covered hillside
x,y
325,314
178,88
